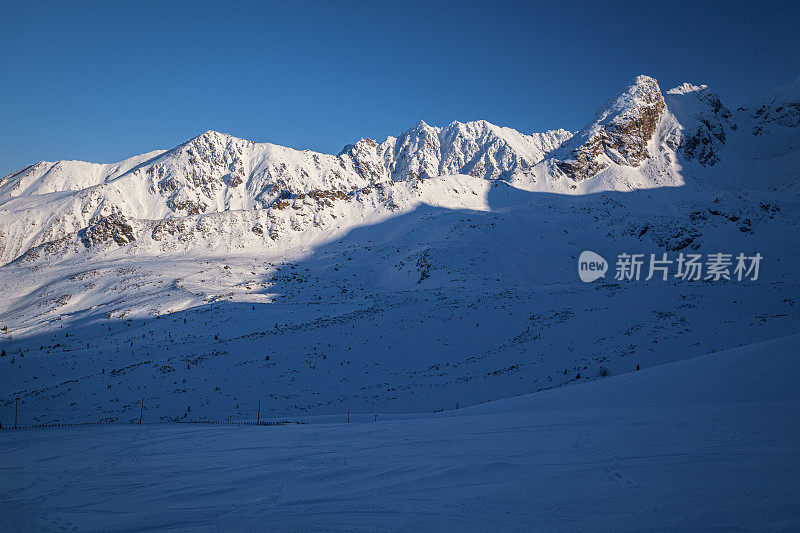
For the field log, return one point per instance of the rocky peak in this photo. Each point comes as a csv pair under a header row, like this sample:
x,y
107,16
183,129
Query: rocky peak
x,y
214,148
477,148
368,158
705,123
687,88
195,173
417,153
618,134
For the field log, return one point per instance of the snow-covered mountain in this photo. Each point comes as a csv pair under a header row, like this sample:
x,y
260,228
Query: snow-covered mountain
x,y
435,266
71,201
219,188
177,198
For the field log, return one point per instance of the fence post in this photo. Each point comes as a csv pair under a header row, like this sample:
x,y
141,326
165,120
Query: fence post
x,y
141,410
16,408
258,419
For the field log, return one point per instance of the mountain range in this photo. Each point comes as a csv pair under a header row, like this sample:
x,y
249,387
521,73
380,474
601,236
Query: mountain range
x,y
166,199
431,268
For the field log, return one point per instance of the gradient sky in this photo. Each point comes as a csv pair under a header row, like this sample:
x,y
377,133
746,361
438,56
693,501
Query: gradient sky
x,y
101,81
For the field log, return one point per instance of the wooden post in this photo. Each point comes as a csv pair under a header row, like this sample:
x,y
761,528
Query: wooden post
x,y
258,420
16,408
141,410
348,417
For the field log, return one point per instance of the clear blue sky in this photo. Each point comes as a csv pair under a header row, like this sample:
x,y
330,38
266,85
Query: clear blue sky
x,y
101,81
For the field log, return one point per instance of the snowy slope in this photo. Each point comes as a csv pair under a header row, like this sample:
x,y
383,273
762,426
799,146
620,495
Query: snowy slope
x,y
781,109
433,268
444,304
708,443
45,177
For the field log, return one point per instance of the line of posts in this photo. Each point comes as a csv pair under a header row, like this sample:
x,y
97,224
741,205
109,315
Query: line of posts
x,y
141,413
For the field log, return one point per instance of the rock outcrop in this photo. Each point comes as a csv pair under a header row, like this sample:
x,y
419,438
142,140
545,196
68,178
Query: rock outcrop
x,y
706,123
103,228
619,133
779,109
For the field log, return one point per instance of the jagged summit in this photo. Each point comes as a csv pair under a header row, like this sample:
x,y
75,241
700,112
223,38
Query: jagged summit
x,y
704,123
210,134
421,125
686,88
642,93
477,148
618,134
215,137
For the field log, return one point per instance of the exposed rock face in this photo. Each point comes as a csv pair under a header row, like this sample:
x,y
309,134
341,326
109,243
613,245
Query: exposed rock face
x,y
704,142
706,123
103,228
786,114
194,174
369,158
619,133
584,161
169,226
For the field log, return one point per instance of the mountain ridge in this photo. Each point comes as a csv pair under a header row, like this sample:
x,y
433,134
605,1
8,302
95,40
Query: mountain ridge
x,y
638,139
